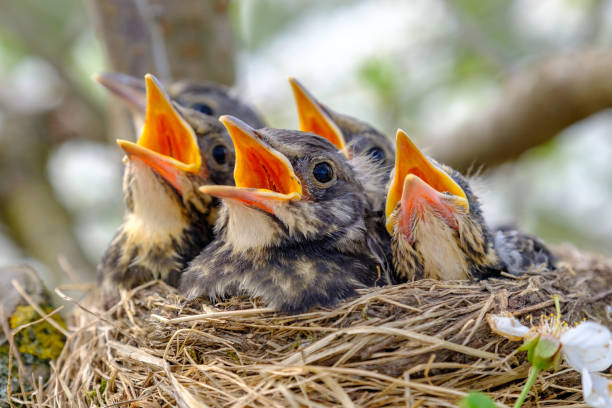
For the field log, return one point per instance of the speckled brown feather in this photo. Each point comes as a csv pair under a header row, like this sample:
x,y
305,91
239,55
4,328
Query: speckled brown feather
x,y
162,229
481,252
471,245
311,252
373,172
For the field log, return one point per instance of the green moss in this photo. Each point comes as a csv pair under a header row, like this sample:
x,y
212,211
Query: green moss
x,y
232,354
91,397
41,340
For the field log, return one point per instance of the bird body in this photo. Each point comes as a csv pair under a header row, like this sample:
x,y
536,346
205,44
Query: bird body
x,y
160,232
437,229
167,220
520,252
434,220
368,150
292,231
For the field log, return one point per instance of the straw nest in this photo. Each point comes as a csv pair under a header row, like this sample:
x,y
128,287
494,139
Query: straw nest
x,y
420,344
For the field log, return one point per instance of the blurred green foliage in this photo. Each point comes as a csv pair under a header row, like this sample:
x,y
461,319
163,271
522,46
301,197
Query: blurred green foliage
x,y
477,400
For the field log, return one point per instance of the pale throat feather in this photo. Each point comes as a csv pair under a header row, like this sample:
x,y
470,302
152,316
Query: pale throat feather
x,y
441,255
247,227
157,216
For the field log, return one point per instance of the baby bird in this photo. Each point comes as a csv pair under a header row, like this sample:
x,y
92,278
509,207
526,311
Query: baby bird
x,y
350,135
437,228
366,148
205,97
167,221
292,230
435,222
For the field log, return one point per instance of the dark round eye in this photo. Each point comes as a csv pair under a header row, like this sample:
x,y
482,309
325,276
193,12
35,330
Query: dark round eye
x,y
323,172
203,108
376,153
219,153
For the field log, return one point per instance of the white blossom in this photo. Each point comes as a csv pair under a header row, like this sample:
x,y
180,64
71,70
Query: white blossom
x,y
587,346
507,326
596,390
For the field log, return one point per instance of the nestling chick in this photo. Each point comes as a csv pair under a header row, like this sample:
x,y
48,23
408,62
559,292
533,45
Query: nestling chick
x,y
292,231
167,221
367,149
205,97
435,222
352,136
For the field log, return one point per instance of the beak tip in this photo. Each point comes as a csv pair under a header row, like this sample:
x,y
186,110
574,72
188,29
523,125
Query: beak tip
x,y
122,143
229,120
401,134
152,83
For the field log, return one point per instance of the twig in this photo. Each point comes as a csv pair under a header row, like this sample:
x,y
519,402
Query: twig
x,y
215,315
535,105
36,307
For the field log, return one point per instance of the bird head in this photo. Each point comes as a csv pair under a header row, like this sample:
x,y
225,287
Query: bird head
x,y
208,98
167,144
433,218
215,145
352,136
289,187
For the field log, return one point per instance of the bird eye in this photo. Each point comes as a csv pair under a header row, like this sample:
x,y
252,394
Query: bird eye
x,y
219,153
203,108
323,172
376,153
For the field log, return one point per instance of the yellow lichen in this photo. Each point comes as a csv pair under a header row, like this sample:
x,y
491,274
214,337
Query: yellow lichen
x,y
42,339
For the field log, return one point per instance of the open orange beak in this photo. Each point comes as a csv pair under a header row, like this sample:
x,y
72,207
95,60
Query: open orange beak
x,y
264,177
167,143
416,179
314,119
129,89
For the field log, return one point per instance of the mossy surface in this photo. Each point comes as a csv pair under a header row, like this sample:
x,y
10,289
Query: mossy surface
x,y
41,340
37,344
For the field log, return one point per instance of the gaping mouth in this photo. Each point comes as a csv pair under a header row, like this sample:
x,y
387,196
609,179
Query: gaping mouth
x,y
167,143
416,180
264,177
314,119
129,89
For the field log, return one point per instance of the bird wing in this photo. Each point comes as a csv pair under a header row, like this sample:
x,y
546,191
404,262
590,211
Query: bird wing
x,y
521,252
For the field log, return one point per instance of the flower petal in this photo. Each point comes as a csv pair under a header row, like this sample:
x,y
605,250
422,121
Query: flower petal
x,y
507,326
588,345
596,390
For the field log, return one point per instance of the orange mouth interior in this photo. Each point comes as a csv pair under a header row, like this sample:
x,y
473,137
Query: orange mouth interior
x,y
167,143
314,119
263,176
410,161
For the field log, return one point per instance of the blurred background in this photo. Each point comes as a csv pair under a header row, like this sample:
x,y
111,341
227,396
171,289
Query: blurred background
x,y
516,92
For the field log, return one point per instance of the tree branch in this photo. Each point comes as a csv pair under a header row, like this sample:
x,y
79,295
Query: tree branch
x,y
535,105
194,36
